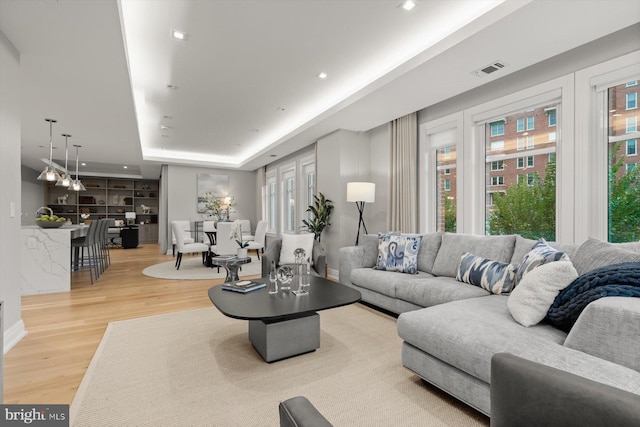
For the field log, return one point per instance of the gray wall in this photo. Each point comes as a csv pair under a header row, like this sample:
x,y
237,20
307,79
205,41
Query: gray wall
x,y
10,234
182,184
32,195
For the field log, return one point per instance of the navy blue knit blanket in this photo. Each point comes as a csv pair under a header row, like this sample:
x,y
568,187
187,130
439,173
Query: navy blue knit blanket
x,y
617,280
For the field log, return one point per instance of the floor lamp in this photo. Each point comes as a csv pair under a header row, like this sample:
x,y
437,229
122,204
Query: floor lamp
x,y
361,193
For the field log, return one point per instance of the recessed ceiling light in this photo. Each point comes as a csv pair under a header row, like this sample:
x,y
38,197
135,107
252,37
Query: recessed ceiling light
x,y
163,127
179,35
281,109
255,130
408,5
273,155
167,117
83,164
125,167
170,86
322,75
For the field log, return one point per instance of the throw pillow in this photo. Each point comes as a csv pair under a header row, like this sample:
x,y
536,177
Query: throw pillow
x,y
531,299
291,242
493,276
453,246
541,254
398,253
595,253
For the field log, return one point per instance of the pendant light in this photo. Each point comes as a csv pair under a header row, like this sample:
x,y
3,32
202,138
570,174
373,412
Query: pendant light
x,y
65,178
76,184
50,173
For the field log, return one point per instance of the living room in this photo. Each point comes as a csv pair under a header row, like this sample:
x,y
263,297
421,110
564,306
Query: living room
x,y
572,72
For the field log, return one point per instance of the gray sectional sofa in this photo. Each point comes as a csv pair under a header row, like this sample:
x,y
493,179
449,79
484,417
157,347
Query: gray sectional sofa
x,y
451,330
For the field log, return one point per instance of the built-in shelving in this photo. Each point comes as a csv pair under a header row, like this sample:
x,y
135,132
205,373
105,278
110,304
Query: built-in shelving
x,y
109,198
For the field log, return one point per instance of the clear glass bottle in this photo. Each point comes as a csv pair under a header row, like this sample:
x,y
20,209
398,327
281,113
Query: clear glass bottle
x,y
273,278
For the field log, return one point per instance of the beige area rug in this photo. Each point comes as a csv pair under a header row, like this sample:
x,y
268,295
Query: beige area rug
x,y
192,268
197,368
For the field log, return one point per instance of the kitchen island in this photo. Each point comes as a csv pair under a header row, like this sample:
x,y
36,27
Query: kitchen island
x,y
45,258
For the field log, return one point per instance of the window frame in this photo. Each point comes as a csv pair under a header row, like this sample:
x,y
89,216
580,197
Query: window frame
x,y
627,100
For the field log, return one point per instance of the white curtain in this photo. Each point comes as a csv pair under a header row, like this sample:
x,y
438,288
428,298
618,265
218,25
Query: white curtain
x,y
403,197
163,223
261,206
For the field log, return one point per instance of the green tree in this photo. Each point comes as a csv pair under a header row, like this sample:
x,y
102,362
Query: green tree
x,y
528,209
449,215
624,199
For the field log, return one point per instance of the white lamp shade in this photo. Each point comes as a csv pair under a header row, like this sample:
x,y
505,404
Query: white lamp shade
x,y
361,192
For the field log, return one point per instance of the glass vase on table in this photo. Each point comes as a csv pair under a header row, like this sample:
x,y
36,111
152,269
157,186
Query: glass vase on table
x,y
273,279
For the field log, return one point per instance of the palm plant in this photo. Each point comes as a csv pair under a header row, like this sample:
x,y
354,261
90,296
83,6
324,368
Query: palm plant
x,y
320,214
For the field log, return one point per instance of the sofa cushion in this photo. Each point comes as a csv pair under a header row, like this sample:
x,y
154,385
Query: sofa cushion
x,y
594,253
541,254
398,253
437,290
428,251
383,282
370,244
531,299
522,247
291,242
467,333
453,246
493,276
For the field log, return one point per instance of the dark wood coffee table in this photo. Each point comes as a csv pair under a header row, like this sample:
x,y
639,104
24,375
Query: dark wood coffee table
x,y
284,324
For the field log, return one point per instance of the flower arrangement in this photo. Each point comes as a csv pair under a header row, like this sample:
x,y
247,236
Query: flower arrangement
x,y
213,204
236,233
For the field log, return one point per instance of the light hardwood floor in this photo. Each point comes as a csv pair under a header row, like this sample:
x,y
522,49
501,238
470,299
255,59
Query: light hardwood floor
x,y
64,329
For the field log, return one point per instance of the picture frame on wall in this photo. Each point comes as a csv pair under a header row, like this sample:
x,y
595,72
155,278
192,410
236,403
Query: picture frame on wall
x,y
210,183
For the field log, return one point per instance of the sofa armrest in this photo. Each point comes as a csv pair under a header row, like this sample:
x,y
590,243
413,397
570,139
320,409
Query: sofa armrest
x,y
299,412
272,253
351,257
609,328
528,394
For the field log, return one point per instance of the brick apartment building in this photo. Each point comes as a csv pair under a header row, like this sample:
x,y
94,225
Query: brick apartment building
x,y
623,120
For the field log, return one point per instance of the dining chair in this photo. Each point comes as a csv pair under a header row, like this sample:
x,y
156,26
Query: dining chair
x,y
184,225
246,229
257,243
225,244
186,248
209,228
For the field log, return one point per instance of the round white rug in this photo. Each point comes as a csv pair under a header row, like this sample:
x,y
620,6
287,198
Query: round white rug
x,y
192,268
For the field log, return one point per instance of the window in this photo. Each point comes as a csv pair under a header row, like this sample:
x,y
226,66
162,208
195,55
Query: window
x,y
497,145
445,193
497,128
524,209
530,161
623,221
271,203
551,158
552,137
530,121
530,142
290,204
552,117
632,100
520,125
633,83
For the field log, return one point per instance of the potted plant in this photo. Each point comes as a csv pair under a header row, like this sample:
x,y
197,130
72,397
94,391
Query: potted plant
x,y
236,233
321,212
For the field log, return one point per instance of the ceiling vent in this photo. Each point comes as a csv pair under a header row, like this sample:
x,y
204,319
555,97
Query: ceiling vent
x,y
489,69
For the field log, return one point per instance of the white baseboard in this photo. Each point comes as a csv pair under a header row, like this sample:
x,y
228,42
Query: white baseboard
x,y
13,335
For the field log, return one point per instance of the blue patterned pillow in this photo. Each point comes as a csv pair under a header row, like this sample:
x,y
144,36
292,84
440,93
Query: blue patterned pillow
x,y
540,254
493,276
398,253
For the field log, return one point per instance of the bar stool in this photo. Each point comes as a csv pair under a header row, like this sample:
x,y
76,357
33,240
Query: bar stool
x,y
89,242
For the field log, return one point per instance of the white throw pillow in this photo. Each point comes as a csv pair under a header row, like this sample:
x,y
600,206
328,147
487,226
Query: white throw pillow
x,y
291,242
531,298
